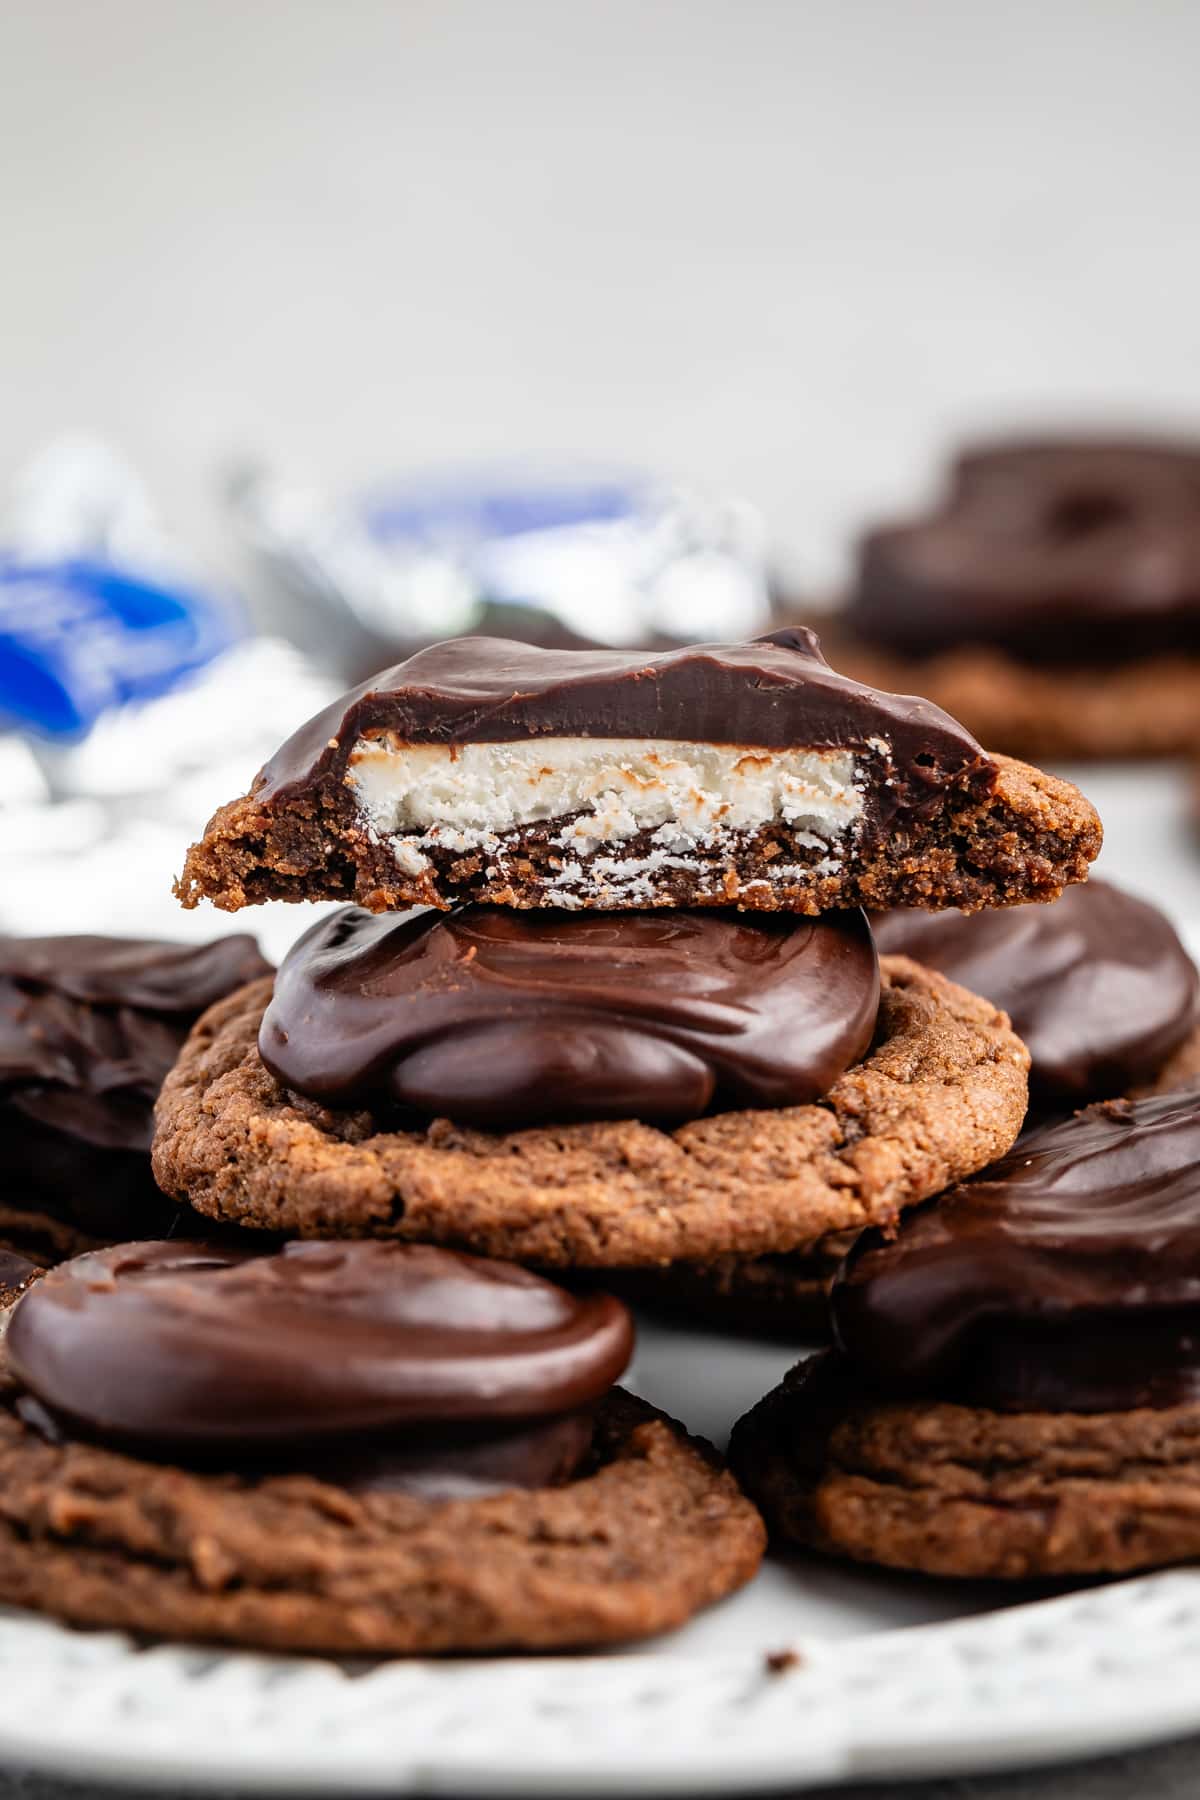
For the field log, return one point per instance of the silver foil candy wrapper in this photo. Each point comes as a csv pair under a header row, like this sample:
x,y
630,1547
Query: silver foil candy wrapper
x,y
561,558
135,705
97,606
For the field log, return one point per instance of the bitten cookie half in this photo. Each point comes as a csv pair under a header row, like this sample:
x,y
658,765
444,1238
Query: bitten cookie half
x,y
942,1092
726,774
652,1533
964,1491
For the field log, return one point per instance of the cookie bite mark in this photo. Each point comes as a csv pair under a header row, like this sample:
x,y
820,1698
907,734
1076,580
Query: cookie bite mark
x,y
482,770
624,813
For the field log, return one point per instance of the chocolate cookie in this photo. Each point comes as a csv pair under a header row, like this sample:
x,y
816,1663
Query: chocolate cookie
x,y
779,1297
1016,1387
174,1458
941,1093
1098,986
958,1490
741,773
89,1027
17,1274
1052,600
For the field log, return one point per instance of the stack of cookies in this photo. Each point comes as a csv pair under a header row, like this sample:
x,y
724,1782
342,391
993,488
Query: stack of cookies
x,y
641,1028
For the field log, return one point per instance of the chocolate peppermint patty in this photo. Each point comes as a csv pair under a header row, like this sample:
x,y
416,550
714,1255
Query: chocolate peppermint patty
x,y
1075,551
739,773
1067,1278
941,1092
367,1447
375,1365
1051,599
1098,985
89,1027
501,1019
1016,1385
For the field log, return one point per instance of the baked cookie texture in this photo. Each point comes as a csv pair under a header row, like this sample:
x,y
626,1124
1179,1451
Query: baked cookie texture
x,y
1178,1071
962,1491
1023,840
653,1532
1148,707
45,1240
781,1297
942,1093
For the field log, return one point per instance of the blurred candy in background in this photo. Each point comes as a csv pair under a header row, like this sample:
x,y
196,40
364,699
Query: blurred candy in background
x,y
555,554
97,607
135,695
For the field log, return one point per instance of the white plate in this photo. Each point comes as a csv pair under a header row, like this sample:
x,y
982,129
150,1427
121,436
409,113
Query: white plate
x,y
892,1676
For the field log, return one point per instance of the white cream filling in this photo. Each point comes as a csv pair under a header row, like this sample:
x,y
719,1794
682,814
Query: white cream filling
x,y
690,796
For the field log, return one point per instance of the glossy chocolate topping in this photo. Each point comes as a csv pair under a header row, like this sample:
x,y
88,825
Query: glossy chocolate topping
x,y
89,1027
776,692
1067,1278
501,1019
380,1361
1098,984
1081,550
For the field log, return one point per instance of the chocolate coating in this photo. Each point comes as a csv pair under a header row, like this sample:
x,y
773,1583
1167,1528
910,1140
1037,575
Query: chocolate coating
x,y
89,1027
1098,984
775,692
1066,1278
1079,550
501,1019
379,1363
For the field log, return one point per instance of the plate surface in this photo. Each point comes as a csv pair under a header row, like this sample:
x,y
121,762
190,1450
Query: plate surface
x,y
889,1676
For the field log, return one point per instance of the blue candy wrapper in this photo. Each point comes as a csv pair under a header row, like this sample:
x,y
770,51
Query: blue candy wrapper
x,y
94,609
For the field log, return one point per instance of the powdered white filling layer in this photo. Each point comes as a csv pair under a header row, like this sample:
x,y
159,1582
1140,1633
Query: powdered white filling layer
x,y
692,797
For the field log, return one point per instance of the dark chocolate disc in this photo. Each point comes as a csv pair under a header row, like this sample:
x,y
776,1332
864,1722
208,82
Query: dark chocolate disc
x,y
198,1346
1065,1278
1079,550
499,1018
1098,984
774,692
89,1027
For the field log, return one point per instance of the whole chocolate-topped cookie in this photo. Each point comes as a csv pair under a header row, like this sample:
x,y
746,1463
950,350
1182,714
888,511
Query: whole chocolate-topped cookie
x,y
747,774
89,1026
598,1090
1100,989
379,1448
1016,1385
1051,600
1098,986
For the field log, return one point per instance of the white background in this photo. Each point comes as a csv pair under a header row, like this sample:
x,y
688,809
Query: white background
x,y
786,248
